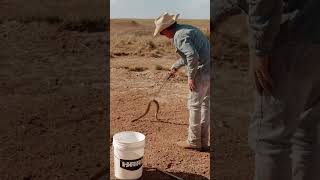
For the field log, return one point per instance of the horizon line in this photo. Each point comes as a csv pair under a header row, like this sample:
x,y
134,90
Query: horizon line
x,y
153,18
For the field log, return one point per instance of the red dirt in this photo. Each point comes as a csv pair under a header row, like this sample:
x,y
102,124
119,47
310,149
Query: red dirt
x,y
130,93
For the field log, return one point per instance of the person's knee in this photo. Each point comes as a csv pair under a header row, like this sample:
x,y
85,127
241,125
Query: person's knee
x,y
194,105
205,105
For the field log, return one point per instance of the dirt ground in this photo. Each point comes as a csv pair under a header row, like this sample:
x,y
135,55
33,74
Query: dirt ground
x,y
134,78
52,108
233,101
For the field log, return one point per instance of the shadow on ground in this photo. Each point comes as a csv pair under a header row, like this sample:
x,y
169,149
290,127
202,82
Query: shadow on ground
x,y
153,173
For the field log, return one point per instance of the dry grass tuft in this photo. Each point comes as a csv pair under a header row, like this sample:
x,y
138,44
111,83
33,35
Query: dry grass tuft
x,y
160,68
134,23
142,45
150,45
138,69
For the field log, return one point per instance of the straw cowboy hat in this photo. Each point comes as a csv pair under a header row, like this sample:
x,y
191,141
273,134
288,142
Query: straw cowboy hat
x,y
163,22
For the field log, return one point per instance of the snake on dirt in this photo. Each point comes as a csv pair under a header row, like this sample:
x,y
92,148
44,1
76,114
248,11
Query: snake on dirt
x,y
155,101
148,109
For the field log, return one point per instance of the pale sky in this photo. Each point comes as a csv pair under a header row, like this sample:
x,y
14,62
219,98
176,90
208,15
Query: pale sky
x,y
151,9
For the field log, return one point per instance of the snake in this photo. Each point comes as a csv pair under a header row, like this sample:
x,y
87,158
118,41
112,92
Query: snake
x,y
148,109
154,101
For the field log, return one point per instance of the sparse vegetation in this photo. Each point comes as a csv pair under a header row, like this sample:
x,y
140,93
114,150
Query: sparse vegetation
x,y
76,15
138,69
159,67
134,38
134,22
90,25
150,45
207,33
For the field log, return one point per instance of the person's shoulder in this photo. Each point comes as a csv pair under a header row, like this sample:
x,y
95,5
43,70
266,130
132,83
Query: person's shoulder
x,y
187,27
183,31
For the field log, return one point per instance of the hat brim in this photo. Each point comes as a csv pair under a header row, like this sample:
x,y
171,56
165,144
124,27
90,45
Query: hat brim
x,y
156,31
160,28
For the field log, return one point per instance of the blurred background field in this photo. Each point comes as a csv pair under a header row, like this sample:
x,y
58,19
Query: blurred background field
x,y
60,9
71,14
134,37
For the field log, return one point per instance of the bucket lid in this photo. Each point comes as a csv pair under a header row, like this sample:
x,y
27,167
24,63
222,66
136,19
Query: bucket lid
x,y
128,137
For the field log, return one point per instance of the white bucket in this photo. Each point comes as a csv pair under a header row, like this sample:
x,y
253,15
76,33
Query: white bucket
x,y
128,149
